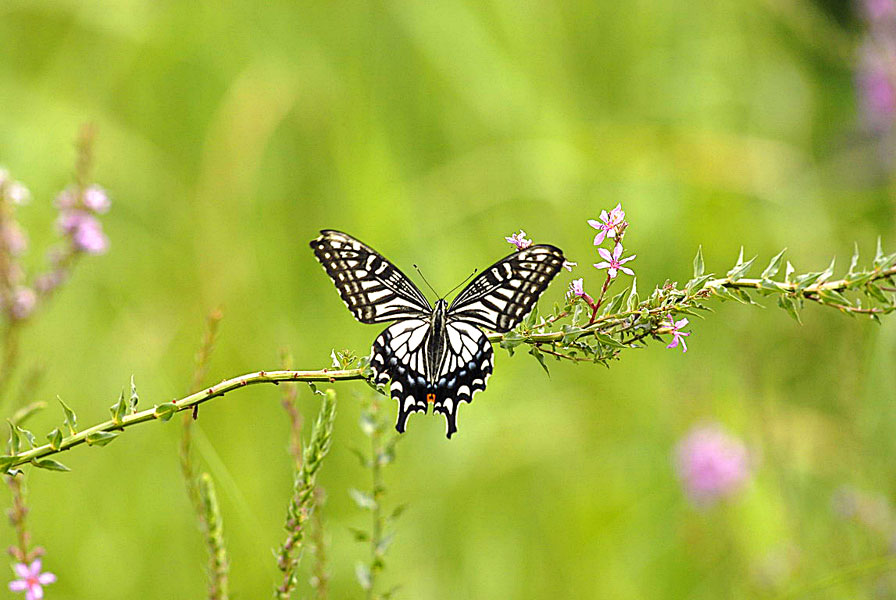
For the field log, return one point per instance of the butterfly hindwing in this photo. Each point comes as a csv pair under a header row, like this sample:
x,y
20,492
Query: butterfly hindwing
x,y
401,354
374,290
504,293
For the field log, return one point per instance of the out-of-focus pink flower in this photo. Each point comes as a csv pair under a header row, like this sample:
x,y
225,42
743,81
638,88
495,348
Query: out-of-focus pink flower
x,y
711,464
608,225
23,302
85,230
18,193
568,265
14,238
31,580
612,262
878,95
876,10
96,199
66,199
519,240
677,336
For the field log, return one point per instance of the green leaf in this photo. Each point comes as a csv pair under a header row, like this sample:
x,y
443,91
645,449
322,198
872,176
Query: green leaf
x,y
741,268
877,293
359,534
578,315
24,434
15,443
49,464
539,356
788,272
615,304
607,340
6,462
364,500
165,411
100,438
804,281
774,265
511,340
695,285
384,543
397,511
698,262
570,334
855,259
879,257
826,274
134,399
119,410
71,420
789,304
632,303
726,294
769,286
55,438
532,319
833,297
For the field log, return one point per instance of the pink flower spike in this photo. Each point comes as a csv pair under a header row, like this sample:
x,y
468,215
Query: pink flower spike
x,y
519,240
31,580
612,262
568,265
677,336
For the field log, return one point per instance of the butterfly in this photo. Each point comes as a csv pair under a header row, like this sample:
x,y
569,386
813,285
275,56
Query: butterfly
x,y
440,355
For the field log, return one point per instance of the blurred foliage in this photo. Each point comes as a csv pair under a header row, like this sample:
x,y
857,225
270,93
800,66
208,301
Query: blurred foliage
x,y
229,133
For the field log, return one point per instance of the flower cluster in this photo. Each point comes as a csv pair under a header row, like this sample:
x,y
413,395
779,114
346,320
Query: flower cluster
x,y
711,464
79,225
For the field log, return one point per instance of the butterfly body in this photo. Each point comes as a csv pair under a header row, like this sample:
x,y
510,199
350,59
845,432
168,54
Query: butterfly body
x,y
437,356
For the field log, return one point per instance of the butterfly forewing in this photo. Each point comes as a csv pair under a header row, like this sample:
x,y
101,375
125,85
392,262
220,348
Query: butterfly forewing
x,y
507,291
374,290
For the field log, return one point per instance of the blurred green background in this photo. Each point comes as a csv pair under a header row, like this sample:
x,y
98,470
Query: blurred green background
x,y
229,133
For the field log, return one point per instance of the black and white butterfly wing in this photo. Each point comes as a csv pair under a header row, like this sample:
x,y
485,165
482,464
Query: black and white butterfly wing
x,y
503,294
374,290
403,354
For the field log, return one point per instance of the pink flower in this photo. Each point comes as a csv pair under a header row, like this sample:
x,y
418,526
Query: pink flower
x,y
96,199
612,263
711,464
519,240
609,224
576,288
677,336
14,238
85,230
31,580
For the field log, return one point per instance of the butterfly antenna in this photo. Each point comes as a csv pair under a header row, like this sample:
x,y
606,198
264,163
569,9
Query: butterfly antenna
x,y
462,282
426,282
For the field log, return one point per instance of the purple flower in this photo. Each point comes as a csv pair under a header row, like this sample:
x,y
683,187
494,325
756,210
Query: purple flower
x,y
66,199
608,225
96,199
85,230
876,10
23,302
612,262
677,336
568,265
31,580
711,464
519,240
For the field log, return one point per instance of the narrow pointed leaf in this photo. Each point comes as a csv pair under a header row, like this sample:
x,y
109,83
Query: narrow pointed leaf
x,y
774,265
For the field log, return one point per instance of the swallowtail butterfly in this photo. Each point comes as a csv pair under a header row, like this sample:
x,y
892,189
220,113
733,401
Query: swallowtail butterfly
x,y
437,356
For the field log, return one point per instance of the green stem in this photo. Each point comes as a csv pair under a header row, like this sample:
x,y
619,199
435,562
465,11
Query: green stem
x,y
182,404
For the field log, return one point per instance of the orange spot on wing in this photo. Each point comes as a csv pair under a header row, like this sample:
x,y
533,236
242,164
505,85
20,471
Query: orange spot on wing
x,y
430,398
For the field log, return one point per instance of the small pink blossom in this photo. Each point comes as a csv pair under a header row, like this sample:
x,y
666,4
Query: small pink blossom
x,y
677,336
14,238
609,224
96,199
85,230
612,262
576,288
711,464
31,580
519,240
568,265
